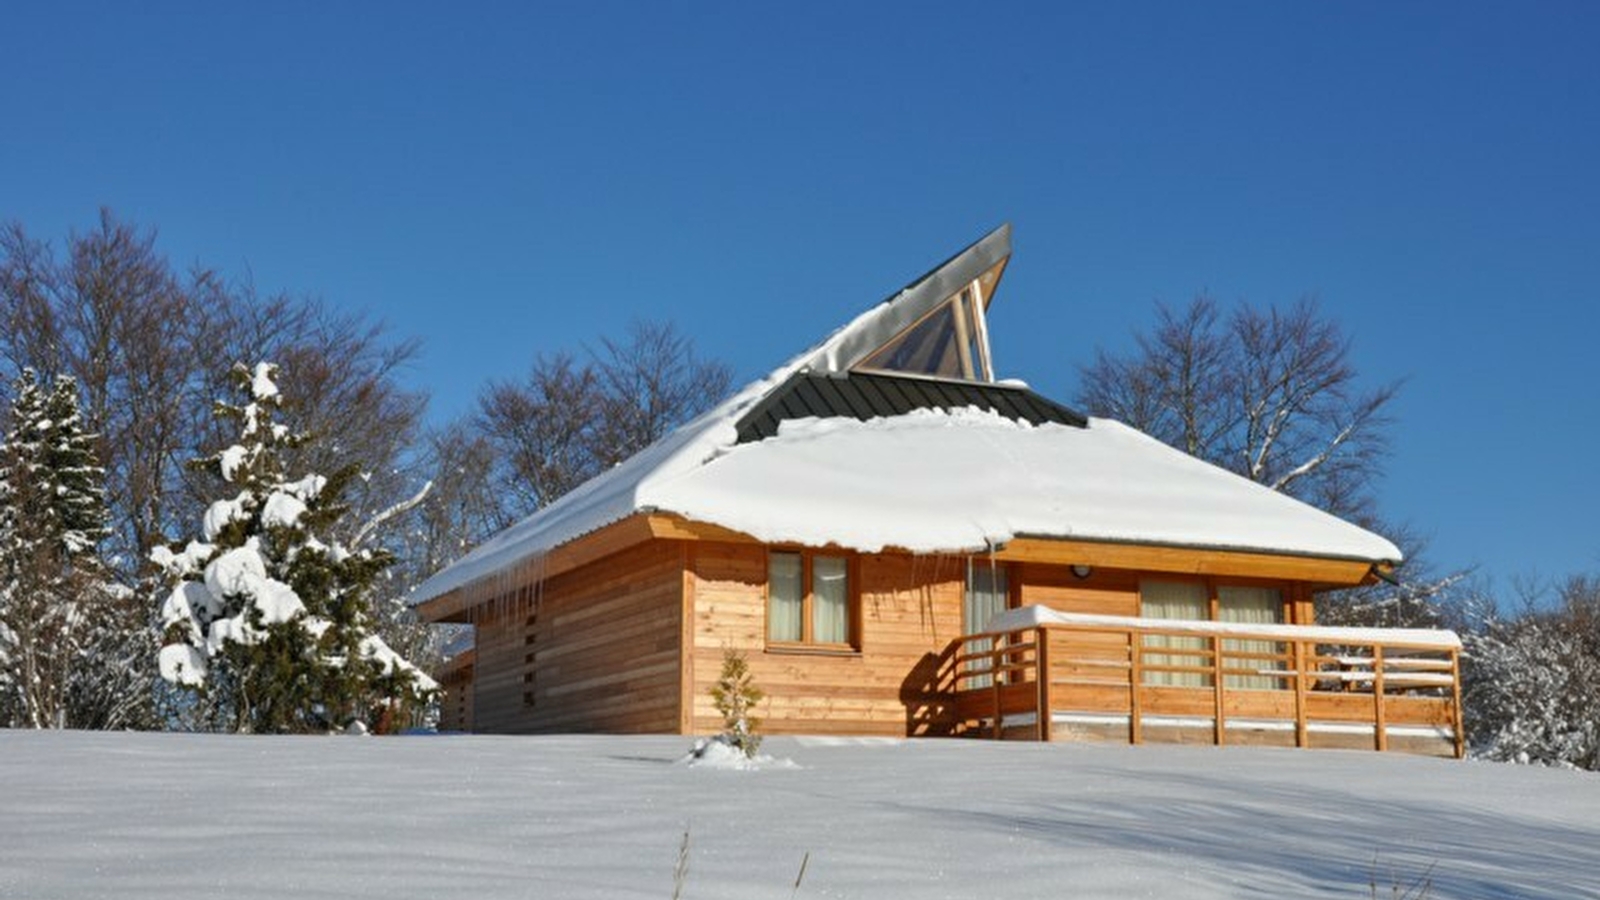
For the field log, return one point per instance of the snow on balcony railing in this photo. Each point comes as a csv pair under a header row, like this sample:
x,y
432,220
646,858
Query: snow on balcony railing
x,y
1030,616
1247,681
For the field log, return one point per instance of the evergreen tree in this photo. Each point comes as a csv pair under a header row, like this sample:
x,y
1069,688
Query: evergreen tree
x,y
54,590
270,625
735,696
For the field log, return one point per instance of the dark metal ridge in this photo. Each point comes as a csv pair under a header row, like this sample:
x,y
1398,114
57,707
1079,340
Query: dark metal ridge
x,y
869,395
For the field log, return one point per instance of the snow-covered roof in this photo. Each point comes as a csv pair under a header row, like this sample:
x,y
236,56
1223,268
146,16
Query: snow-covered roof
x,y
957,480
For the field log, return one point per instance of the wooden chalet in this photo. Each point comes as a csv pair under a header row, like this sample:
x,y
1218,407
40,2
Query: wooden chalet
x,y
900,544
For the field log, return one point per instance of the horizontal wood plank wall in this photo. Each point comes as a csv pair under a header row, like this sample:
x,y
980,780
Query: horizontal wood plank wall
x,y
602,651
1302,605
497,676
455,701
910,611
1105,592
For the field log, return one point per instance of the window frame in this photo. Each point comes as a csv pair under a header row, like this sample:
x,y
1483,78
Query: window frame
x,y
968,309
808,643
1012,594
1213,587
1288,612
1006,570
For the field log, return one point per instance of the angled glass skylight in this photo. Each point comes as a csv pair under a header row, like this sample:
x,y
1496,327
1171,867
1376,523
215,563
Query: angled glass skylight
x,y
950,341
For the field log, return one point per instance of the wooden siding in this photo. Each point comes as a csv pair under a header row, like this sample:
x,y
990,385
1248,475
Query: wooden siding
x,y
595,651
1189,561
910,609
455,701
597,648
1106,592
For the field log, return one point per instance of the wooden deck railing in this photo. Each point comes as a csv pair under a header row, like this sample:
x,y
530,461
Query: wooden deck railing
x,y
1184,681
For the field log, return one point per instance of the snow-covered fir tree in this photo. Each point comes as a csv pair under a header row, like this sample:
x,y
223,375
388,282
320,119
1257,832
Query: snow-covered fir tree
x,y
269,624
54,590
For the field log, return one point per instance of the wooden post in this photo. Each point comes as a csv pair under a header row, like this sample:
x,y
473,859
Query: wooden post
x,y
1216,688
1455,693
686,612
995,655
1135,686
1041,659
1380,732
1302,737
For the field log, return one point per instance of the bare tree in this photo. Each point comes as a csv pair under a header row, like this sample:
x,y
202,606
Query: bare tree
x,y
544,429
650,383
461,507
568,421
1269,394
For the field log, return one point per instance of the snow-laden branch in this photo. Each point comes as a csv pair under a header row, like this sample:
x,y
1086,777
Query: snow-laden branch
x,y
1316,461
397,509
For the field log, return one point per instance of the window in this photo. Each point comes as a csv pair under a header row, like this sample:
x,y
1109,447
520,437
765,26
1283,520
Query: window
x,y
1175,600
809,600
1250,606
952,341
987,596
1194,601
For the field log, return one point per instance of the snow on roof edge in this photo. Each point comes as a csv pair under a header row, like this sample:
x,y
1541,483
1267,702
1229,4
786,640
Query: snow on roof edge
x,y
867,485
1392,552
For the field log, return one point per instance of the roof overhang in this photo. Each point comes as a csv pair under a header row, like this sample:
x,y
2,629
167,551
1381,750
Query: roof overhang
x,y
1320,572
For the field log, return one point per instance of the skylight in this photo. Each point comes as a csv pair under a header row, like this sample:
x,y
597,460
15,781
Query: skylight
x,y
950,341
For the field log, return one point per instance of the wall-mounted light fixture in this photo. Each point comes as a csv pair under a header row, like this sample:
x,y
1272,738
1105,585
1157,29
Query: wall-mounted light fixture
x,y
1081,571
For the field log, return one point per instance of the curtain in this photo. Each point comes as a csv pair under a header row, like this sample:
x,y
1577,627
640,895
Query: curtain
x,y
988,595
784,597
1175,600
830,590
1250,606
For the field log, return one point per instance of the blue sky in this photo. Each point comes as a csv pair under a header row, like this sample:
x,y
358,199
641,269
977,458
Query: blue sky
x,y
505,180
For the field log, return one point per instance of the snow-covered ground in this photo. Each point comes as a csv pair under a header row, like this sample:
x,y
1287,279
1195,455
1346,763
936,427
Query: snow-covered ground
x,y
201,816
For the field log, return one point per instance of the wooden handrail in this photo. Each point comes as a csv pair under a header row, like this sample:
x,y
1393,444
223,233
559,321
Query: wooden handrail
x,y
1404,683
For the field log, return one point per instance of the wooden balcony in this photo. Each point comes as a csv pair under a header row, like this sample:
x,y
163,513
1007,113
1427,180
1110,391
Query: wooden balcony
x,y
1077,677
